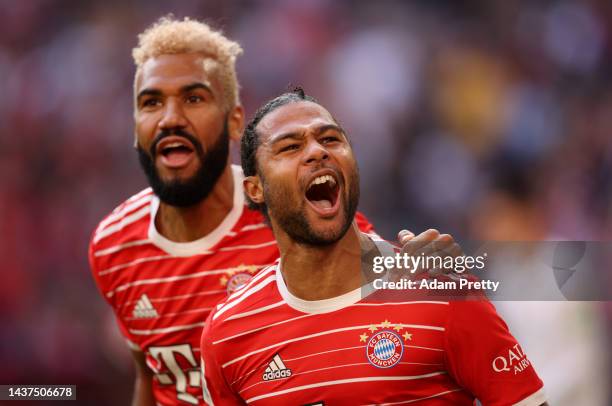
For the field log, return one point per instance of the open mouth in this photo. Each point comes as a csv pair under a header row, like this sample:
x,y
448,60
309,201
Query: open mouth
x,y
175,152
175,148
322,193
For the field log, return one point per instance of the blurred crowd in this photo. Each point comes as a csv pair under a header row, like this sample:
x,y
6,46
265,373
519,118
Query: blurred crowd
x,y
488,120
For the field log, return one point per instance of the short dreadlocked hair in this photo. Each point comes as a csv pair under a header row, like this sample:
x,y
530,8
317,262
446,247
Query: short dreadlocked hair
x,y
250,139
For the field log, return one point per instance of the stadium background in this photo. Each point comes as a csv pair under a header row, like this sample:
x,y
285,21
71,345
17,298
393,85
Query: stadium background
x,y
489,120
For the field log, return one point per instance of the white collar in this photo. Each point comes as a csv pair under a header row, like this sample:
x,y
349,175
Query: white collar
x,y
315,306
202,245
331,304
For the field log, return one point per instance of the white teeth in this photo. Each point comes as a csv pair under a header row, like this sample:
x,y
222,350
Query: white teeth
x,y
174,145
322,179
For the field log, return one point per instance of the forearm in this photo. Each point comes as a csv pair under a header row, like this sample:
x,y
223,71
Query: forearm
x,y
143,391
143,395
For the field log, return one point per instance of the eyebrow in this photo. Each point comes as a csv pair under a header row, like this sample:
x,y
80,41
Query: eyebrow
x,y
184,89
196,86
297,135
148,92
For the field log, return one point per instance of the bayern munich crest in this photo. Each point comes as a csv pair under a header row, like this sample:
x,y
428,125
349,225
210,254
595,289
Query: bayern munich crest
x,y
385,345
237,277
237,281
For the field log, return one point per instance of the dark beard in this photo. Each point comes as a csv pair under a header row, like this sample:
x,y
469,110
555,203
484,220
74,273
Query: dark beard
x,y
293,220
185,193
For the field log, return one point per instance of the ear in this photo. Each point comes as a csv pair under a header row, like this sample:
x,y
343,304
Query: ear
x,y
235,124
253,189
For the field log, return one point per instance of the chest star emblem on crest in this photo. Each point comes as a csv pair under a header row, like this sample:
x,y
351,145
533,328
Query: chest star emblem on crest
x,y
385,343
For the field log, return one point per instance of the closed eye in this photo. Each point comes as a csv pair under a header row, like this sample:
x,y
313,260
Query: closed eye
x,y
289,147
329,138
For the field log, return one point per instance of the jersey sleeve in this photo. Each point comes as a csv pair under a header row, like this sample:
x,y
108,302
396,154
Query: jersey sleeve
x,y
483,357
363,223
215,389
94,271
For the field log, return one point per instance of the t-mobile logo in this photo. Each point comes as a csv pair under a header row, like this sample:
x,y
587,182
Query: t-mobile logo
x,y
183,377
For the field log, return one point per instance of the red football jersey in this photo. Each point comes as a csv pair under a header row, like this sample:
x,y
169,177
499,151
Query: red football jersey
x,y
162,291
265,346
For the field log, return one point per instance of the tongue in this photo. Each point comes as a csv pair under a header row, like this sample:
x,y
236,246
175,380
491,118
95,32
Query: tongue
x,y
176,157
323,204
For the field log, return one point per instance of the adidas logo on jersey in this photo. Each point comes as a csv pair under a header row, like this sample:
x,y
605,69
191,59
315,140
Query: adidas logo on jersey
x,y
144,308
276,369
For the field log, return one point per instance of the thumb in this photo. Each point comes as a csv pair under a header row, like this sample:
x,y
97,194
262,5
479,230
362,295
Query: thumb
x,y
404,236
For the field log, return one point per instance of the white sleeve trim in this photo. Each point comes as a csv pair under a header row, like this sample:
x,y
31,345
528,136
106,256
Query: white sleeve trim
x,y
133,346
535,399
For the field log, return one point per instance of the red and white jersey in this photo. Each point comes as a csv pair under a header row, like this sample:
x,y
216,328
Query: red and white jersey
x,y
162,291
264,346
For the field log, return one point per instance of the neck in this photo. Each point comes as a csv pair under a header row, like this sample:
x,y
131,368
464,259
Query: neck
x,y
317,273
185,224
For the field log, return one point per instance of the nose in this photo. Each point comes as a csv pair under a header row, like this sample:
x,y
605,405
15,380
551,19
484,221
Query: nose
x,y
315,153
173,116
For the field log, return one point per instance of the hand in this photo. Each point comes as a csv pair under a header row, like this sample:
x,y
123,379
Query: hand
x,y
426,245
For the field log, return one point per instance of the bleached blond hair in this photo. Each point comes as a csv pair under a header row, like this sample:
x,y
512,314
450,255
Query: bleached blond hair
x,y
171,36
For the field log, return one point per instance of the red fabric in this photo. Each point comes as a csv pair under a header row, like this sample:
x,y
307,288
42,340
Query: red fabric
x,y
182,290
445,356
